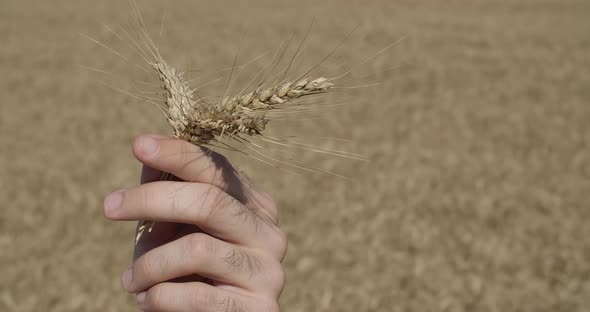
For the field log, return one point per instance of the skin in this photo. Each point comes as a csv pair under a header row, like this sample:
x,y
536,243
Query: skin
x,y
216,245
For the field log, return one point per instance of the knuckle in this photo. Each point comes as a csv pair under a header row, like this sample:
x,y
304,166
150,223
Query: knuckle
x,y
144,196
242,260
175,207
199,246
150,266
202,296
277,277
155,297
237,209
280,243
269,306
148,195
178,195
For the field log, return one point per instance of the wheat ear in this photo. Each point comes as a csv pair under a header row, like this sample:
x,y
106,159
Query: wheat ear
x,y
199,122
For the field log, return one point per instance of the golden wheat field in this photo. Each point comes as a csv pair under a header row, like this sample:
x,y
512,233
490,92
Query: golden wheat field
x,y
476,196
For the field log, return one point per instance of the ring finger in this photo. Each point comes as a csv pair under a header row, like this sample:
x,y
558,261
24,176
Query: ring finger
x,y
209,257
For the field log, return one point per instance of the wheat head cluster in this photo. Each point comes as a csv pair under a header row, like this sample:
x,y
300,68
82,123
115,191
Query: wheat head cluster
x,y
199,122
241,117
205,122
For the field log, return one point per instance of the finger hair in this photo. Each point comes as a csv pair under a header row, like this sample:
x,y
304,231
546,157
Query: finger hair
x,y
239,259
243,212
230,304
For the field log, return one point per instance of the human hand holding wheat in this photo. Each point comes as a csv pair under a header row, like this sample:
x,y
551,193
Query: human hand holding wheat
x,y
207,239
218,246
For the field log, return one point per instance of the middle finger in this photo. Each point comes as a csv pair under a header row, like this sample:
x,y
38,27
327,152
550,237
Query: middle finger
x,y
204,205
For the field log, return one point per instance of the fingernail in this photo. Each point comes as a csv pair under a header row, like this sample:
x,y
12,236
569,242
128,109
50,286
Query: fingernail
x,y
148,146
140,297
113,201
127,277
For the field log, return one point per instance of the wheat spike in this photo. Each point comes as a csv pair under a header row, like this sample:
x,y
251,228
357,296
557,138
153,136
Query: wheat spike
x,y
199,122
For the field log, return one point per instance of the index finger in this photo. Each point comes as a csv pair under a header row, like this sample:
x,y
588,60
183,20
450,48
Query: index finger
x,y
198,164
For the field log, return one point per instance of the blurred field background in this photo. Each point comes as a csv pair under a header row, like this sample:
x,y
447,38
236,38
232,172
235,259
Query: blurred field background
x,y
476,197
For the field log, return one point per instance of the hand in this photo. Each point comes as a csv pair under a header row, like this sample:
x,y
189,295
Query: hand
x,y
216,245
